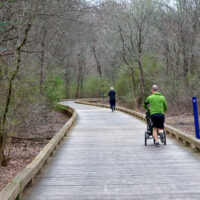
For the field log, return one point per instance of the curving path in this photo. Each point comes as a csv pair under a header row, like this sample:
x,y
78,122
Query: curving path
x,y
104,157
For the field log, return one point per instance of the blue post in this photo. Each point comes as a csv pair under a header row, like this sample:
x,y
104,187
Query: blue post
x,y
196,116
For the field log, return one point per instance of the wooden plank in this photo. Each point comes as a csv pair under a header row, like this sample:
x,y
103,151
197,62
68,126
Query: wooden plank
x,y
105,158
179,135
14,189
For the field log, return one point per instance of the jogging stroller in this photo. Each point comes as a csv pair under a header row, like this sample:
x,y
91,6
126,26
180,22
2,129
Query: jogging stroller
x,y
149,133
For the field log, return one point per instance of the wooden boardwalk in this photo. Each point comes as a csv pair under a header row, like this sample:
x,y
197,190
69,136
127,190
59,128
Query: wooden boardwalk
x,y
104,157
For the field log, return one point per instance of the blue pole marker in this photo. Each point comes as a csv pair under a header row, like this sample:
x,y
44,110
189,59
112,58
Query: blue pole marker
x,y
196,116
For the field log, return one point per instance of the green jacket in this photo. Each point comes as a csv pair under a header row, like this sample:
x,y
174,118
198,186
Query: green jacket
x,y
157,103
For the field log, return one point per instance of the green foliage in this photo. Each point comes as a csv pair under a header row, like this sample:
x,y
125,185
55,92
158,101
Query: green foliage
x,y
123,84
93,86
59,107
128,83
72,89
54,88
28,90
124,88
5,2
193,80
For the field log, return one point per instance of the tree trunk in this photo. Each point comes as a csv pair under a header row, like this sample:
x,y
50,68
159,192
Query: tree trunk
x,y
42,59
97,62
43,37
67,80
79,77
78,84
10,89
167,57
1,149
81,86
142,84
133,80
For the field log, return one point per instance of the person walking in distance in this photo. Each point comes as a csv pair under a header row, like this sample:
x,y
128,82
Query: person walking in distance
x,y
111,95
157,105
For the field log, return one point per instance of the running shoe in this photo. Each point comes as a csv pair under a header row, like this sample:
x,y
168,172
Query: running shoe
x,y
157,144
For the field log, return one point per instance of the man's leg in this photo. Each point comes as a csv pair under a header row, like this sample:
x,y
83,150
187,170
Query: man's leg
x,y
161,127
160,131
155,134
110,105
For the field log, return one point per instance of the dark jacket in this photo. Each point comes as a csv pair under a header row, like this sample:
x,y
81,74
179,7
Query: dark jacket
x,y
112,94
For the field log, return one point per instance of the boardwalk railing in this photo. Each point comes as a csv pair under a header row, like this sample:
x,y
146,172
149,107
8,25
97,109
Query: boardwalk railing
x,y
15,188
179,135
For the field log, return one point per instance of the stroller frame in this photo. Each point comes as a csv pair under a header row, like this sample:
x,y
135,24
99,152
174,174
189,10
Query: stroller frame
x,y
149,132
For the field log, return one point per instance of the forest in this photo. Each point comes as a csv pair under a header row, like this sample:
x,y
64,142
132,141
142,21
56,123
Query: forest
x,y
56,49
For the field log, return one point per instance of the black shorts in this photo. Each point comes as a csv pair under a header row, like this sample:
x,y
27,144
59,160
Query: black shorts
x,y
158,120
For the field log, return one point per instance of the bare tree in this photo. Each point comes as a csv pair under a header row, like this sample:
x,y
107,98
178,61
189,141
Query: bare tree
x,y
22,40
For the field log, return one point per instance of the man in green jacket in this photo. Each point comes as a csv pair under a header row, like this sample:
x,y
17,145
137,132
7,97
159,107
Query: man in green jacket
x,y
157,105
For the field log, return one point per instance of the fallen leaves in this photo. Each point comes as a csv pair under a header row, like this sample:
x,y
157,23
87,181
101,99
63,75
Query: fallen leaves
x,y
24,150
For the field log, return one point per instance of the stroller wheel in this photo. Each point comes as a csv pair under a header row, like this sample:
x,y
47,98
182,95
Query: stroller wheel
x,y
145,138
165,139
